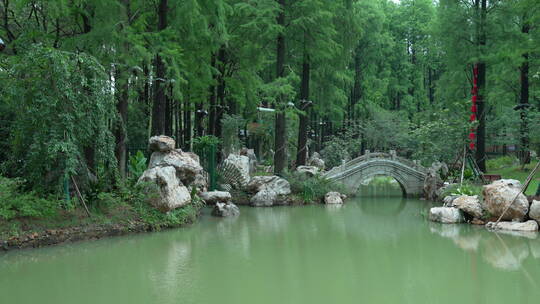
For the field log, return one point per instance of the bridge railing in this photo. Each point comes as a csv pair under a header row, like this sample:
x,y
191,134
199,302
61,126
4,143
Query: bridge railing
x,y
376,155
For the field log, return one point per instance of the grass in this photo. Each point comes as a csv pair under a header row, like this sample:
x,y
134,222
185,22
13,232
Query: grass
x,y
122,208
515,172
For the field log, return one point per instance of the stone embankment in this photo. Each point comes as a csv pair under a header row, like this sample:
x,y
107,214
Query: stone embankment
x,y
500,199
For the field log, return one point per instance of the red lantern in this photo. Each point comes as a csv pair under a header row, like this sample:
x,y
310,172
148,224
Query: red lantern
x,y
471,146
472,136
473,108
473,117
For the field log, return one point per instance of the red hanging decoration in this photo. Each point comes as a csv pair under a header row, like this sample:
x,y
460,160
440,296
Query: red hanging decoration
x,y
474,109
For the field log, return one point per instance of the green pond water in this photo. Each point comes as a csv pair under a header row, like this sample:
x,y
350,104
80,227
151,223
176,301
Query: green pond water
x,y
372,250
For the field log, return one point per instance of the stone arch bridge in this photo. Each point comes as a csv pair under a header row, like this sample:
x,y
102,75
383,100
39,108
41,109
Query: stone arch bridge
x,y
409,174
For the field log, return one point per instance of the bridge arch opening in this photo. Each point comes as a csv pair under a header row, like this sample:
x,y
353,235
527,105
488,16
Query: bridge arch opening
x,y
379,185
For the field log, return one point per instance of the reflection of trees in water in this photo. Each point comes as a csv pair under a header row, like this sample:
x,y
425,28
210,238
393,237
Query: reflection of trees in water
x,y
380,186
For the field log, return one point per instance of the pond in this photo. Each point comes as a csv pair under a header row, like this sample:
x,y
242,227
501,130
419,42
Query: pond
x,y
372,250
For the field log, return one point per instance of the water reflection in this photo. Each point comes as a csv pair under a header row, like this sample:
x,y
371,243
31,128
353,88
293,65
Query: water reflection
x,y
311,254
504,250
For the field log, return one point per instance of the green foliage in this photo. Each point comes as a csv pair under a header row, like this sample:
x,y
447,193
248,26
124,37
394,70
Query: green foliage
x,y
60,104
15,203
311,189
334,153
231,125
501,162
467,189
205,142
137,165
159,220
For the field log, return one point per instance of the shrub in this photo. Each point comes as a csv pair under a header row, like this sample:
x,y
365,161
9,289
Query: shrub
x,y
501,162
15,203
136,165
464,189
312,189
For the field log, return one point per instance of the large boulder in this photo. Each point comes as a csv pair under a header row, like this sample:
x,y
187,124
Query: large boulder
x,y
186,164
528,226
448,200
440,193
275,183
334,198
213,197
250,153
270,190
446,215
265,198
432,183
161,143
469,204
225,210
172,194
534,211
500,194
316,161
307,170
234,170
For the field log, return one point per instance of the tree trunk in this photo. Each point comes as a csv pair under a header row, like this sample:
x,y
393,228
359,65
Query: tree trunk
x,y
213,98
121,128
481,131
199,117
524,99
302,154
187,123
280,143
222,59
158,110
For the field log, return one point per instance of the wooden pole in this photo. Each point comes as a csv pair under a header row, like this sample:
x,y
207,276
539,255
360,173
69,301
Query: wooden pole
x,y
80,196
463,164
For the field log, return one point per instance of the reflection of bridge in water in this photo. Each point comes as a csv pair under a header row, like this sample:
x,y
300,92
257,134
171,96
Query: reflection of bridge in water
x,y
409,174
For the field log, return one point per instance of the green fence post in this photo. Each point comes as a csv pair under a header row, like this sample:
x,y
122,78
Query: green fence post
x,y
66,188
212,167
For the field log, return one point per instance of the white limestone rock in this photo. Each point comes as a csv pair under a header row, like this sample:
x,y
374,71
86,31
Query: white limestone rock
x,y
528,226
225,210
316,161
534,212
469,204
213,197
161,143
187,164
241,164
273,183
499,194
264,198
172,194
307,170
333,198
446,215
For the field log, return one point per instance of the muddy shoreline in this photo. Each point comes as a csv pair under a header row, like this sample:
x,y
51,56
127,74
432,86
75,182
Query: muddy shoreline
x,y
51,237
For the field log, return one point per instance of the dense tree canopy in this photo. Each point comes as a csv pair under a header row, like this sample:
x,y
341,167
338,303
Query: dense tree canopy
x,y
89,80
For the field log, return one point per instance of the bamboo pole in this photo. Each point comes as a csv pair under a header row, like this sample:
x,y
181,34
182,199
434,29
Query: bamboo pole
x,y
463,164
80,196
